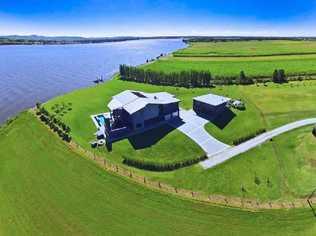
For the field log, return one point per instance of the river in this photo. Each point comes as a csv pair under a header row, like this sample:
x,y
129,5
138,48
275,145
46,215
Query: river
x,y
36,73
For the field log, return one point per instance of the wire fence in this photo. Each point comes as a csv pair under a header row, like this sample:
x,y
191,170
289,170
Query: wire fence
x,y
239,202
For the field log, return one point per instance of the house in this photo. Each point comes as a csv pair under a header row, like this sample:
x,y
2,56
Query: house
x,y
132,111
210,104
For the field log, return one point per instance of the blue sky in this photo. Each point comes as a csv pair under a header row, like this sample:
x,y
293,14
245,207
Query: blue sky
x,y
158,17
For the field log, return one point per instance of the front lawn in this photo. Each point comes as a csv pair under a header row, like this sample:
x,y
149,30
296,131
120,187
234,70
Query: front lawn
x,y
265,108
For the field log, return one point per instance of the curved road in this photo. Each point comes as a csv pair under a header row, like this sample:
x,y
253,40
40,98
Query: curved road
x,y
230,152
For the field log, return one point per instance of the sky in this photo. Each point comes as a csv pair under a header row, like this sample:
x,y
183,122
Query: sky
x,y
100,18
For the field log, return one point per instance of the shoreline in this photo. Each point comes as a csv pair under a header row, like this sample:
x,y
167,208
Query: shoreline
x,y
84,41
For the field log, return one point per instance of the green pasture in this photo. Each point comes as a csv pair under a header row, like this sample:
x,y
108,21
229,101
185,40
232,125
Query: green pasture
x,y
248,48
252,66
255,58
46,189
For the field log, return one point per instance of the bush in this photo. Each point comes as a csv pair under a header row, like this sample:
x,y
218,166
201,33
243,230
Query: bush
x,y
257,180
243,79
279,76
154,166
38,105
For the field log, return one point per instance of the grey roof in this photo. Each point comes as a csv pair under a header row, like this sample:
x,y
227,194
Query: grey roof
x,y
133,101
212,99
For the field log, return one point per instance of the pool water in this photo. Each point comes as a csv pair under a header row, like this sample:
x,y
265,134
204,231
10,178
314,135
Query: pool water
x,y
101,120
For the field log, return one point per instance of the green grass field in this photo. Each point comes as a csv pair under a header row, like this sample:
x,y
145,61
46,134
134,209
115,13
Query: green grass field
x,y
285,168
248,48
267,107
46,189
255,58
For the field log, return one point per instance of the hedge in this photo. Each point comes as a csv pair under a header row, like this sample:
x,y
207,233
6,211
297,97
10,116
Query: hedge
x,y
154,166
248,137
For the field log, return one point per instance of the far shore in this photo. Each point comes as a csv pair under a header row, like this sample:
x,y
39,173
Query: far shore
x,y
8,41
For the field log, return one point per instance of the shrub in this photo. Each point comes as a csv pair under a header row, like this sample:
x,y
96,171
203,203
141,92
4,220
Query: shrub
x,y
279,76
154,166
269,183
257,180
38,105
243,79
243,189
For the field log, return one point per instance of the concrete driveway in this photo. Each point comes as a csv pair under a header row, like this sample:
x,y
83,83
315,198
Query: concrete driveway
x,y
229,153
193,127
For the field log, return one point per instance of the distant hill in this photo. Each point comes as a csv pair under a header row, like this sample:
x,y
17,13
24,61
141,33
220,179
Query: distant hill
x,y
40,37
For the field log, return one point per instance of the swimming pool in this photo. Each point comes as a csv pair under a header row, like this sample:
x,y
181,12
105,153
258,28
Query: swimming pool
x,y
101,120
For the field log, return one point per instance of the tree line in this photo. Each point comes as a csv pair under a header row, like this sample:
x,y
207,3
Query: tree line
x,y
192,78
181,79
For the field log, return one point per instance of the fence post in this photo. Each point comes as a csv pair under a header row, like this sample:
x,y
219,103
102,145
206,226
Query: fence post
x,y
144,180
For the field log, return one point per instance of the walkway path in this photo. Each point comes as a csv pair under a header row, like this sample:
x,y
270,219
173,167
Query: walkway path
x,y
193,127
230,152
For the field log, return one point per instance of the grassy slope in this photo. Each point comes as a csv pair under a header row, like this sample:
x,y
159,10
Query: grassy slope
x,y
46,189
246,48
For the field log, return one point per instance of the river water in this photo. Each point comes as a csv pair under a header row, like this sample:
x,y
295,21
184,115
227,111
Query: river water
x,y
36,73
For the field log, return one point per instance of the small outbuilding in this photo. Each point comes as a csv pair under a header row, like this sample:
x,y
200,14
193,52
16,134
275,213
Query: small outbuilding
x,y
210,104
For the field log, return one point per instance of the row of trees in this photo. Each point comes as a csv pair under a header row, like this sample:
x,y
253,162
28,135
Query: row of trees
x,y
182,79
154,166
55,124
190,79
